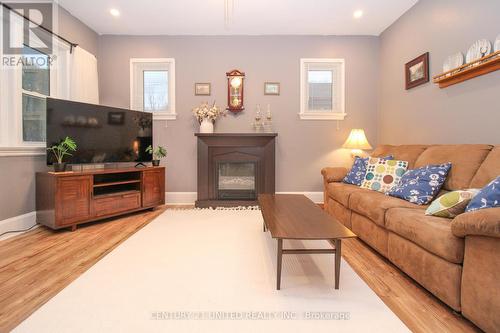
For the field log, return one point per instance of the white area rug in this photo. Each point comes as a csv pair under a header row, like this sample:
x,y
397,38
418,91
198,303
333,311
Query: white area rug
x,y
209,263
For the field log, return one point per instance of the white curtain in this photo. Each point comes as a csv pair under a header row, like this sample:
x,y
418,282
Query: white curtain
x,y
83,77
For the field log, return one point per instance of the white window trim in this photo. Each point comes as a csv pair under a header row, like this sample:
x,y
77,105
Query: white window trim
x,y
171,114
22,151
304,113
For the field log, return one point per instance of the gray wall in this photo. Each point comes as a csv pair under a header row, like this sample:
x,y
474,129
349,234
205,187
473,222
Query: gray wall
x,y
468,112
77,32
17,195
303,147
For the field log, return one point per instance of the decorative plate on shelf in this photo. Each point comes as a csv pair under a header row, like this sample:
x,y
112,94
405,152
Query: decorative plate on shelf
x,y
497,44
453,61
479,49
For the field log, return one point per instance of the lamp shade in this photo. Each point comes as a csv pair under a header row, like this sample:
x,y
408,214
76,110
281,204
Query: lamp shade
x,y
357,140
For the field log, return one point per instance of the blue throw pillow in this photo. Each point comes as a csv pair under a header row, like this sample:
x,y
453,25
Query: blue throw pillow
x,y
356,175
488,197
421,185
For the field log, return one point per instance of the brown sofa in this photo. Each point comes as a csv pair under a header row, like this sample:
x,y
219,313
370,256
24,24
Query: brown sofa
x,y
457,260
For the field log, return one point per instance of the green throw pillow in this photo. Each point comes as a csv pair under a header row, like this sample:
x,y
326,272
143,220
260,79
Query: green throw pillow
x,y
451,204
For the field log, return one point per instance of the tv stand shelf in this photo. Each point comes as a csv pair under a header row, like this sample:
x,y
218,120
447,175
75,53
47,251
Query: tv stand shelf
x,y
67,199
117,183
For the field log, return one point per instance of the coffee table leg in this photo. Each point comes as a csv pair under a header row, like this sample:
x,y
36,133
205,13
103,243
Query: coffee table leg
x,y
264,226
338,256
278,262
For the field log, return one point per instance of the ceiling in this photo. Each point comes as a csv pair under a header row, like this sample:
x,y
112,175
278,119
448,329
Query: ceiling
x,y
249,17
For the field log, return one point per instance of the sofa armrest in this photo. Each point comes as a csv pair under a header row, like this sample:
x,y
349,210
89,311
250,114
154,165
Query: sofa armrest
x,y
483,222
331,175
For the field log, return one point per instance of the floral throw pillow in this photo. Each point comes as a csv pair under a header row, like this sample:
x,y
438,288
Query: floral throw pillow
x,y
488,197
451,204
356,175
421,185
382,175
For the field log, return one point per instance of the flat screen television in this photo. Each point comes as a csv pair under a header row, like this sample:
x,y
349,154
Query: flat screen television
x,y
103,134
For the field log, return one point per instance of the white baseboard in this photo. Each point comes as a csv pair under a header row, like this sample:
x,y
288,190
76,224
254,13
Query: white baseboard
x,y
188,198
17,223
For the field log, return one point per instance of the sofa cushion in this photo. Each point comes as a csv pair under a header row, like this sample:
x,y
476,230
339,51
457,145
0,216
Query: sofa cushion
x,y
408,153
465,161
341,192
421,185
429,232
451,204
488,170
487,197
382,175
373,205
356,175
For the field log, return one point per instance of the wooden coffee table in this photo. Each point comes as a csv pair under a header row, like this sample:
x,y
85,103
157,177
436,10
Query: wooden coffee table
x,y
292,216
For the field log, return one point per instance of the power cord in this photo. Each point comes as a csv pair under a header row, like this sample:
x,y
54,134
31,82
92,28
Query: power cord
x,y
21,230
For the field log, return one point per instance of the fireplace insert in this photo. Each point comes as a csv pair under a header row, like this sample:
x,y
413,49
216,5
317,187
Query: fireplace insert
x,y
236,181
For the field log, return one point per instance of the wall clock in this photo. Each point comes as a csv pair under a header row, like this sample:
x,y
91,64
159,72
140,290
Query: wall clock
x,y
235,83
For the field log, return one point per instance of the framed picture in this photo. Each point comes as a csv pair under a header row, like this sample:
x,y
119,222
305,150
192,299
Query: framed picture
x,y
271,88
202,89
417,71
116,118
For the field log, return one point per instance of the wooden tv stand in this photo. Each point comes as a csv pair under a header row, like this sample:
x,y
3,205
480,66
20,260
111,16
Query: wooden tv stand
x,y
66,199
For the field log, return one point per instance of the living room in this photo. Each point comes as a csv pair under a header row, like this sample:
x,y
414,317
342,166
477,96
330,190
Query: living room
x,y
227,165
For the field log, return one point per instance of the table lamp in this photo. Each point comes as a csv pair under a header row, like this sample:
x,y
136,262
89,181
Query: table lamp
x,y
357,142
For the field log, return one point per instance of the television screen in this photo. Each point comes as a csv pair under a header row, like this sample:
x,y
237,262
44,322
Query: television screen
x,y
103,134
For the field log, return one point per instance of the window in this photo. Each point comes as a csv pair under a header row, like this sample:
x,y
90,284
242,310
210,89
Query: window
x,y
35,88
152,87
322,88
26,80
155,90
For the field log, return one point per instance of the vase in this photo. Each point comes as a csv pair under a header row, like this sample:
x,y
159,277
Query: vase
x,y
206,126
60,167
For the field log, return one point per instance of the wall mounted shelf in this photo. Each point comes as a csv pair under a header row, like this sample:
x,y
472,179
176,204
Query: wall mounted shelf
x,y
484,65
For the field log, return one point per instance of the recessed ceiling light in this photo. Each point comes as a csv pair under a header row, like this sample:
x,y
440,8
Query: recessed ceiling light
x,y
358,13
115,12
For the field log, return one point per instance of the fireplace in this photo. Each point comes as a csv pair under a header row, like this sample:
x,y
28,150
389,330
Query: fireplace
x,y
234,168
236,181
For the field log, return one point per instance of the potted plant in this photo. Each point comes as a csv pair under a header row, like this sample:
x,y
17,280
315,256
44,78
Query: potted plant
x,y
206,116
158,153
60,150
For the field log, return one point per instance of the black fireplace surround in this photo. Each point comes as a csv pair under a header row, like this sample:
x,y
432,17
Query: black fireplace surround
x,y
234,168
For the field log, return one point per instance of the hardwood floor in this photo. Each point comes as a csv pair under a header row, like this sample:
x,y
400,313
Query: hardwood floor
x,y
35,266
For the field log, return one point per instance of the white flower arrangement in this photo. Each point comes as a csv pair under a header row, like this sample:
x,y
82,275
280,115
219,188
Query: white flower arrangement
x,y
205,111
